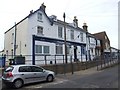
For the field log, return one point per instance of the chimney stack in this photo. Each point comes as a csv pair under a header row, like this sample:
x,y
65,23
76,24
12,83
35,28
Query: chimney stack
x,y
85,27
43,7
75,21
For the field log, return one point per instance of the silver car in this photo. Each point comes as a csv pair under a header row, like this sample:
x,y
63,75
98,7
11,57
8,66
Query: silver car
x,y
18,75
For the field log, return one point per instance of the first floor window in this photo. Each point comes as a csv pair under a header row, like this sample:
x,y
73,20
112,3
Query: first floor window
x,y
60,33
81,36
39,30
72,34
59,49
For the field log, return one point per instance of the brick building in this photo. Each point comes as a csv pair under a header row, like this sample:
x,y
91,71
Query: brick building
x,y
105,42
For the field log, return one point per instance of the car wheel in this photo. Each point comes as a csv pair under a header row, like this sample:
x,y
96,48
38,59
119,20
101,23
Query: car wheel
x,y
50,78
18,83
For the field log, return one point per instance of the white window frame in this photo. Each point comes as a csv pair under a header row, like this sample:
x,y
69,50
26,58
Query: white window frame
x,y
81,37
72,34
37,49
39,30
39,17
47,51
42,50
59,49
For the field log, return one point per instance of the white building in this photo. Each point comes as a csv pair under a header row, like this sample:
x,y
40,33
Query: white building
x,y
39,38
92,44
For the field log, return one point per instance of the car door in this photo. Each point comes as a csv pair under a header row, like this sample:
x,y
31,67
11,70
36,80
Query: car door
x,y
39,74
26,74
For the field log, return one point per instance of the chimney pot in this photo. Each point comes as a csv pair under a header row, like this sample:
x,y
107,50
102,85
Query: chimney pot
x,y
43,7
85,26
75,21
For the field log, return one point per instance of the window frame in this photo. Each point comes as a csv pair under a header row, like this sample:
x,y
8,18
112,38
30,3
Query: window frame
x,y
72,36
60,31
44,50
59,49
40,16
81,37
39,30
37,49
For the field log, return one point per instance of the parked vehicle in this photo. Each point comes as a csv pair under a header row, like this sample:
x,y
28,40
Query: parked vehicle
x,y
18,75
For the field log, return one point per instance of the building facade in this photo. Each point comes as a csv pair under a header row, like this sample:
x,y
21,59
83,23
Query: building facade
x,y
38,36
105,42
92,44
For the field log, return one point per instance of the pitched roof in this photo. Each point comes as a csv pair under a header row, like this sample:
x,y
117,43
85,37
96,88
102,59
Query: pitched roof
x,y
98,35
67,24
50,20
40,9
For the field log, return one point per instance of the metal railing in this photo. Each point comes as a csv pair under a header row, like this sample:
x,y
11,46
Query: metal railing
x,y
58,65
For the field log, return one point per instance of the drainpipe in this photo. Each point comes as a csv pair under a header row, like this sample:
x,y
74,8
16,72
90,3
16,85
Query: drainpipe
x,y
15,41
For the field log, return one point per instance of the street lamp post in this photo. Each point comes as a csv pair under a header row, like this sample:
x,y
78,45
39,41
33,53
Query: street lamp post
x,y
65,39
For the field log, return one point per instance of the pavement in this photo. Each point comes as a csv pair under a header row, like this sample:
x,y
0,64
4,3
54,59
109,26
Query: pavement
x,y
88,71
61,78
79,73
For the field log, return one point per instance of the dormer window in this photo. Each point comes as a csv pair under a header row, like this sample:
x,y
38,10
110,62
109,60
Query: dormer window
x,y
39,16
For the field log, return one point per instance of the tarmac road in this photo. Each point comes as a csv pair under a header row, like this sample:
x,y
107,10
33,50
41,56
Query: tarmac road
x,y
90,78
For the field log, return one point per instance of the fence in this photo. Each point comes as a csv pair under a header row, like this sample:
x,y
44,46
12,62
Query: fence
x,y
57,63
107,60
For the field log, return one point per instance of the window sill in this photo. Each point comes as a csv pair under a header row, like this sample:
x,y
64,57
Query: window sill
x,y
59,54
40,34
41,54
40,21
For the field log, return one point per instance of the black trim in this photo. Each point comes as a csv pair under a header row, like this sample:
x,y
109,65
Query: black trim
x,y
59,41
51,40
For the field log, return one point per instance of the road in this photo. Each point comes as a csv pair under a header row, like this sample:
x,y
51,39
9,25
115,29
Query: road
x,y
90,78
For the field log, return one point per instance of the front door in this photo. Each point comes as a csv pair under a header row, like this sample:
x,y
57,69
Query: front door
x,y
75,53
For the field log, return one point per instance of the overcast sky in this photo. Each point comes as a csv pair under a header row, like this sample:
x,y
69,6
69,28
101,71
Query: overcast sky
x,y
100,15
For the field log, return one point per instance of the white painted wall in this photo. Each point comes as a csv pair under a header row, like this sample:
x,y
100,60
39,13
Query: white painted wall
x,y
21,40
28,27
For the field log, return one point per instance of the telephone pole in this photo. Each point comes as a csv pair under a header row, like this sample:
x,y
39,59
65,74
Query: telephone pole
x,y
65,38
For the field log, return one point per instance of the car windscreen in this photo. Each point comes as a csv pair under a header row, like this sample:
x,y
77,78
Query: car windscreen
x,y
9,69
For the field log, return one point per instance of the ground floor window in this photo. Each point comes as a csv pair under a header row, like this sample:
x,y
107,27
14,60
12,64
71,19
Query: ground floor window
x,y
59,49
46,49
40,49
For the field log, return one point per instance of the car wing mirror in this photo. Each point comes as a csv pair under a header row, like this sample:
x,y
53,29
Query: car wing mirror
x,y
43,71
